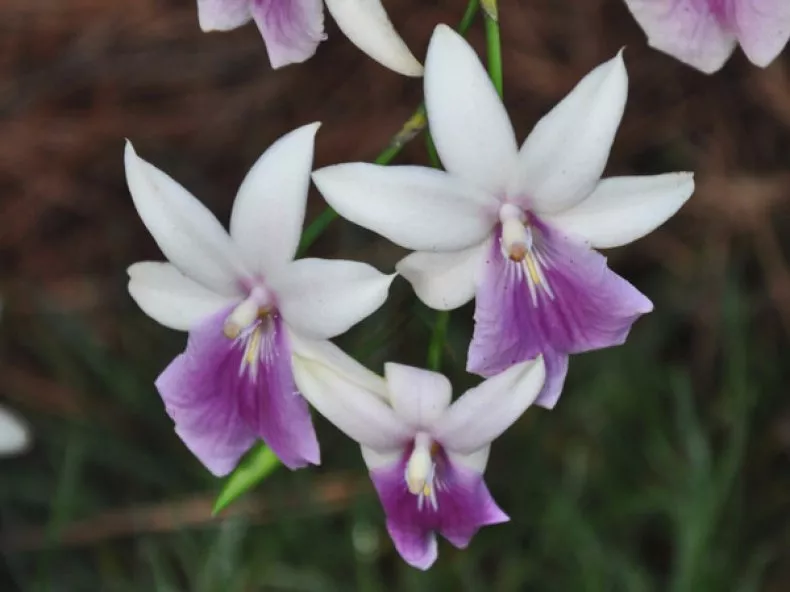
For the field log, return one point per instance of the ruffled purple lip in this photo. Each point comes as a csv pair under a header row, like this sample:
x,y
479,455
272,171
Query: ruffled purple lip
x,y
458,505
224,394
561,299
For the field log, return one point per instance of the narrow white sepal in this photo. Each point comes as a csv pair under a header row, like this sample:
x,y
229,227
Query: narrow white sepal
x,y
266,222
418,396
366,24
624,209
355,411
322,298
188,234
482,413
564,156
172,299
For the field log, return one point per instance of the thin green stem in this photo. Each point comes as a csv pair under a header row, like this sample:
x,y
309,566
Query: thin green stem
x,y
438,336
412,128
493,44
469,16
439,332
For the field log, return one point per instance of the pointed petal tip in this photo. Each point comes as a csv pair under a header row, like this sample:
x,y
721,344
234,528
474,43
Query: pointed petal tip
x,y
133,269
366,24
442,34
444,29
128,150
310,128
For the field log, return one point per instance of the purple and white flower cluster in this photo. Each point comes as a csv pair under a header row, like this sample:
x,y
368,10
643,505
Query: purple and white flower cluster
x,y
514,228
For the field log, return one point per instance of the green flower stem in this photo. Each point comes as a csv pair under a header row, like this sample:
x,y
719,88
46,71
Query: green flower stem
x,y
438,336
439,332
412,128
493,44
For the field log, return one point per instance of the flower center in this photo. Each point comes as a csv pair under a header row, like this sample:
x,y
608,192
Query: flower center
x,y
421,471
257,306
519,245
250,326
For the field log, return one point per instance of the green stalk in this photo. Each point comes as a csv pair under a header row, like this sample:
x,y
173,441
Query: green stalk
x,y
493,43
439,332
438,336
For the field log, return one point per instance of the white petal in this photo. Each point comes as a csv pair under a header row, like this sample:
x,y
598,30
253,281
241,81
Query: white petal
x,y
475,461
14,433
172,299
223,15
763,28
186,231
357,412
415,207
268,213
418,396
623,209
322,298
686,30
563,158
468,122
327,353
375,459
484,412
443,281
366,24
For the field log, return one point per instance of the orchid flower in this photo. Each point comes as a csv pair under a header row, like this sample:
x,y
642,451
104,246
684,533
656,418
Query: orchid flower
x,y
704,33
245,303
514,228
292,29
14,433
426,457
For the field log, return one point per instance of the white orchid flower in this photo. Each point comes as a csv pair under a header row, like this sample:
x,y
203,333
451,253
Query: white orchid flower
x,y
514,229
426,456
245,303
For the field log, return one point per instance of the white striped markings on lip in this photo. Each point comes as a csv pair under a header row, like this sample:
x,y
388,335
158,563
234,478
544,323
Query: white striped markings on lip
x,y
420,474
518,245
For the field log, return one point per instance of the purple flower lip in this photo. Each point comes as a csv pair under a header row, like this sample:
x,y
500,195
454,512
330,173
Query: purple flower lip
x,y
704,33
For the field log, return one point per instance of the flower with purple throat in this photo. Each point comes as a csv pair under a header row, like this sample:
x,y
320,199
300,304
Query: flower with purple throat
x,y
426,456
246,304
292,29
704,33
514,229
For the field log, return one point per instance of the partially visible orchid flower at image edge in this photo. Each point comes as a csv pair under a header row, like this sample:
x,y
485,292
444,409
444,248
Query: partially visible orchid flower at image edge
x,y
292,29
426,456
704,33
246,304
15,435
514,229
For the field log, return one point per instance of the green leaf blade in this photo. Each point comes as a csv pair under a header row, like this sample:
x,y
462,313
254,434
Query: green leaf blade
x,y
256,466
